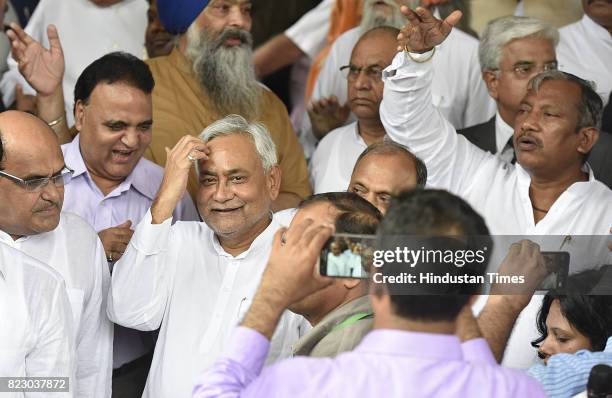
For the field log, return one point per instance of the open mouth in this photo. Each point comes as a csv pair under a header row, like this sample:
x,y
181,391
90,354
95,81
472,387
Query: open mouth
x,y
122,155
527,143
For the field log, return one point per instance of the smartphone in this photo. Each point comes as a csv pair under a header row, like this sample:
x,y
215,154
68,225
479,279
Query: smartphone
x,y
347,256
557,263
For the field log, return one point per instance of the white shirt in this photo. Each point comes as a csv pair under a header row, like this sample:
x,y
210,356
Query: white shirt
x,y
130,200
180,278
585,50
309,33
35,332
503,132
87,32
458,89
75,252
333,161
495,189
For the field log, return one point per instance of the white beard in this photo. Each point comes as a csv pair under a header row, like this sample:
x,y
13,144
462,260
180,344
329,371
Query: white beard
x,y
226,73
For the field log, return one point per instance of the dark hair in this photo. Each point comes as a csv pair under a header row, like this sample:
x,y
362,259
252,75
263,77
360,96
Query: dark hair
x,y
590,106
112,68
389,147
358,210
591,315
435,214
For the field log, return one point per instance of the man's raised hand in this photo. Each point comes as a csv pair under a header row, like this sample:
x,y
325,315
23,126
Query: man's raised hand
x,y
43,69
424,31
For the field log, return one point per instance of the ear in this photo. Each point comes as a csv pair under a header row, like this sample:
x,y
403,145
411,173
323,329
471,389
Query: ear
x,y
491,80
273,181
588,136
79,110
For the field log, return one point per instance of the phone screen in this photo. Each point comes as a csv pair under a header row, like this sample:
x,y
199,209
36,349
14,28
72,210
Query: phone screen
x,y
557,263
347,256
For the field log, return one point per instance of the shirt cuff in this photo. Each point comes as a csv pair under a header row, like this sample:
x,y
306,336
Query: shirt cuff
x,y
149,238
249,348
402,61
478,351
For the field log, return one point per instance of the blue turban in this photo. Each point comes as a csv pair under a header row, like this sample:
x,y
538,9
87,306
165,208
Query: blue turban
x,y
178,15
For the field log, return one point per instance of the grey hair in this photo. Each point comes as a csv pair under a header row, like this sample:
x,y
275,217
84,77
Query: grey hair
x,y
389,147
502,31
590,107
257,132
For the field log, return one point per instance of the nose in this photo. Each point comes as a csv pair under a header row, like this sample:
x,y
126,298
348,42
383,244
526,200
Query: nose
x,y
223,193
239,18
131,138
528,121
547,347
52,192
363,81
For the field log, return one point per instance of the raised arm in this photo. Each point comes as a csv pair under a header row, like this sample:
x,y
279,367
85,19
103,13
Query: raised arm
x,y
407,111
43,69
141,280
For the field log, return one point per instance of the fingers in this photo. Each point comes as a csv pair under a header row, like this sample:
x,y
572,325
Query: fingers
x,y
188,149
21,34
54,41
295,233
126,224
454,18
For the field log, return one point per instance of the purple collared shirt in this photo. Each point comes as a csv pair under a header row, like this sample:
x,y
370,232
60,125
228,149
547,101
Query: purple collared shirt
x,y
129,201
387,363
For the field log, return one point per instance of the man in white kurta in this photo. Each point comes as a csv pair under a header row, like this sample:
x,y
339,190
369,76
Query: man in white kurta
x,y
32,222
36,328
195,281
503,193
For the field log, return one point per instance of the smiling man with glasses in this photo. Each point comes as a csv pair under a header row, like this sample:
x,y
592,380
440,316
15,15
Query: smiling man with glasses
x,y
333,161
32,179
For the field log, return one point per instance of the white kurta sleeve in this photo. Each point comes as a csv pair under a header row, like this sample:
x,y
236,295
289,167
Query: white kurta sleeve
x,y
410,119
141,280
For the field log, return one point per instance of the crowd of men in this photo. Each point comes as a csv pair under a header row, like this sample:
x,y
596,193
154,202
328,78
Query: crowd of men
x,y
163,213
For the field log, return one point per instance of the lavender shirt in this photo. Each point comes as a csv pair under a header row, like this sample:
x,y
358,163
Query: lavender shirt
x,y
387,363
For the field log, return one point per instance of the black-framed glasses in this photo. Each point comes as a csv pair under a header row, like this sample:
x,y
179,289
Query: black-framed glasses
x,y
37,184
352,72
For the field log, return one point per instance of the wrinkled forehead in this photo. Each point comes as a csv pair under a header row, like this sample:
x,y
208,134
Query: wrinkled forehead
x,y
232,152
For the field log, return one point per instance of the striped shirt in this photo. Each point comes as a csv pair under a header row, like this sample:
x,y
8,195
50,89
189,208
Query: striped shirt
x,y
567,374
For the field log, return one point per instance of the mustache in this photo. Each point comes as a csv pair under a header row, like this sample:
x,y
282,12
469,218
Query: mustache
x,y
233,33
527,134
46,205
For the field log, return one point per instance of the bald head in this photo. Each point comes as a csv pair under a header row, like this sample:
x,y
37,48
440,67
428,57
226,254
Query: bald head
x,y
30,151
24,135
383,38
371,55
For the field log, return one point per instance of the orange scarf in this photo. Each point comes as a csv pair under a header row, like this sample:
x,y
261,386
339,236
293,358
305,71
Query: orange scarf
x,y
345,15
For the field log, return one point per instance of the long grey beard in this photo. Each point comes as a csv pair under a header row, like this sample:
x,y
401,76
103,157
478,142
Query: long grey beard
x,y
225,73
372,19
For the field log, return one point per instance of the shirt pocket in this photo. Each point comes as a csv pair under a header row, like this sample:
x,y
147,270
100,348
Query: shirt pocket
x,y
76,298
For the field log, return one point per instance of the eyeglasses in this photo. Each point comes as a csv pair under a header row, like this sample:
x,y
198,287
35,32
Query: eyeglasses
x,y
529,69
37,184
352,72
